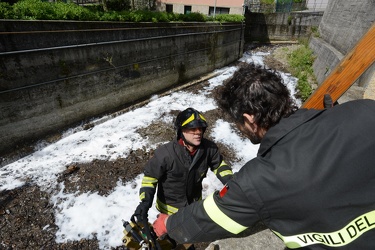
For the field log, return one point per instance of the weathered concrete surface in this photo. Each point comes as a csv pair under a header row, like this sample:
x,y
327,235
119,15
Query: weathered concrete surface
x,y
54,74
370,90
343,24
345,21
267,27
262,240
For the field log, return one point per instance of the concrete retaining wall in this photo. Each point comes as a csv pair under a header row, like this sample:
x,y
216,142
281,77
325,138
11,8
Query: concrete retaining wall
x,y
55,74
343,24
263,27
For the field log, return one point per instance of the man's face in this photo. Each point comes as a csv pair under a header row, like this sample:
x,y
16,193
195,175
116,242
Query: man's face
x,y
193,135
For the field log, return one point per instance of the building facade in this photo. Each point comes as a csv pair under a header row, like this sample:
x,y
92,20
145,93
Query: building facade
x,y
207,7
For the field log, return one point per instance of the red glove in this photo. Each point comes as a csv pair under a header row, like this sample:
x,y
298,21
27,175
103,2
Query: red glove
x,y
160,225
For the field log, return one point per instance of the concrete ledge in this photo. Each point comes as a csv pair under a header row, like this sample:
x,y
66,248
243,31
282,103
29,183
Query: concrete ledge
x,y
261,240
46,87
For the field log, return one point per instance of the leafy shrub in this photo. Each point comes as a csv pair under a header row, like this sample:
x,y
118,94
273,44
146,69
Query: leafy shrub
x,y
71,11
229,18
140,16
6,11
167,17
111,16
33,10
301,61
192,17
39,10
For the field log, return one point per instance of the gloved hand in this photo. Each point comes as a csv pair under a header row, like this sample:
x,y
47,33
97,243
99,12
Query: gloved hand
x,y
141,212
160,225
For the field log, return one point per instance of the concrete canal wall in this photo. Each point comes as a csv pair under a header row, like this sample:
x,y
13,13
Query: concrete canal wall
x,y
54,74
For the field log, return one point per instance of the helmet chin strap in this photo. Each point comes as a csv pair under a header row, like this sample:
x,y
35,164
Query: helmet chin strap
x,y
186,142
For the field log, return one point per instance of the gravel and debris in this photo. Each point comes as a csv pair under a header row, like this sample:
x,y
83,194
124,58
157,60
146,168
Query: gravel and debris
x,y
27,219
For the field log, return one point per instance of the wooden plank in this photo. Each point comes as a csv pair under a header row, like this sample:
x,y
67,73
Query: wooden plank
x,y
350,68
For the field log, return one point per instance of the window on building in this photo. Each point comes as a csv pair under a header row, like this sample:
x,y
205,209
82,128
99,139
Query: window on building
x,y
187,9
219,10
169,8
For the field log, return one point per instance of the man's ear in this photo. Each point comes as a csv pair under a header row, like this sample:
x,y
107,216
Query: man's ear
x,y
248,118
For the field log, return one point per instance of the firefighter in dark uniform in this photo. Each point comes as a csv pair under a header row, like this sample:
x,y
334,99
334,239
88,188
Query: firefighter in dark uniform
x,y
178,168
312,182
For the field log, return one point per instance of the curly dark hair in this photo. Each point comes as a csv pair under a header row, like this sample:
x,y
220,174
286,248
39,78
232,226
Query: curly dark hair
x,y
257,91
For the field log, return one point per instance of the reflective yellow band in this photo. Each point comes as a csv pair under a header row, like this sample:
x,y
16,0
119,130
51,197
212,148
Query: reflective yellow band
x,y
149,182
221,164
201,116
226,172
220,218
142,196
191,118
342,237
164,208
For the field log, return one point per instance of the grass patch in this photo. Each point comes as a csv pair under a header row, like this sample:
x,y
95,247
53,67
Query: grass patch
x,y
300,62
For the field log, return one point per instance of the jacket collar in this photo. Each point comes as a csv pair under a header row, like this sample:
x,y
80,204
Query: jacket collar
x,y
285,126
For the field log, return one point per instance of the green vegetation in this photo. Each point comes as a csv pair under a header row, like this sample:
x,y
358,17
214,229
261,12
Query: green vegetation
x,y
226,18
315,31
267,1
300,63
5,10
272,6
290,19
39,10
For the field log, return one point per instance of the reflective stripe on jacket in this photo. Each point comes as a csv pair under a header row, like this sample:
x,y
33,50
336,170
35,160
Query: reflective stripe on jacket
x,y
178,176
312,183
